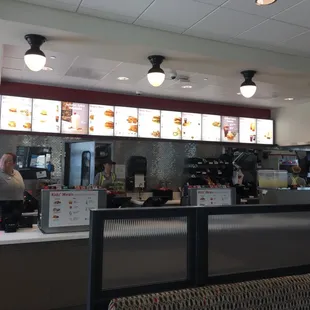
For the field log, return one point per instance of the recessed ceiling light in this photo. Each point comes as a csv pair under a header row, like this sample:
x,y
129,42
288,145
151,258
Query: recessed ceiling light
x,y
53,57
239,94
289,99
47,69
187,86
264,2
205,79
123,78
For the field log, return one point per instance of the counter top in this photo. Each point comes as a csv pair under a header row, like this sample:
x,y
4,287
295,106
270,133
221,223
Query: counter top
x,y
168,203
34,235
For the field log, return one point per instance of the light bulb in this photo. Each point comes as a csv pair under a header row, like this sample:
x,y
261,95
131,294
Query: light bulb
x,y
156,78
248,91
35,60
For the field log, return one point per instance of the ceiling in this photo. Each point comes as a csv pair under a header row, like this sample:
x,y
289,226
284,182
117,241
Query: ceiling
x,y
207,43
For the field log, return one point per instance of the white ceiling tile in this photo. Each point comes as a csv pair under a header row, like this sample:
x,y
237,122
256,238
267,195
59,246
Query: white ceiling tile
x,y
11,74
301,42
176,13
68,5
13,63
14,51
102,65
297,15
159,26
249,6
115,9
214,2
272,32
226,22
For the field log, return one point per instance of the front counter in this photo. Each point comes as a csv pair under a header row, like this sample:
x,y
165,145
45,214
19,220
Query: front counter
x,y
285,196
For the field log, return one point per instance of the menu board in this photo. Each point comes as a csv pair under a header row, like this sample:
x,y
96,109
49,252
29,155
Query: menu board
x,y
74,118
211,127
126,122
171,125
149,123
230,129
214,197
265,131
46,116
71,208
247,130
101,120
191,126
16,113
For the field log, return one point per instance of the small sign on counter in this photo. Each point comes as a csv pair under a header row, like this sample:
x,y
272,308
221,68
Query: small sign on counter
x,y
214,197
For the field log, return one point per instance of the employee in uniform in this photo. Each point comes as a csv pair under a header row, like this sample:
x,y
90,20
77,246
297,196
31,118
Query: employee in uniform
x,y
295,179
105,178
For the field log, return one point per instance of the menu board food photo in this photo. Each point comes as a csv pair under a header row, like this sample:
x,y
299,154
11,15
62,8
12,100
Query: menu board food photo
x,y
191,126
171,125
265,131
46,116
149,123
16,113
247,130
211,127
230,129
126,122
74,118
101,120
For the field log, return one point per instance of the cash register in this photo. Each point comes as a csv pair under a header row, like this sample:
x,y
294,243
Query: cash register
x,y
10,214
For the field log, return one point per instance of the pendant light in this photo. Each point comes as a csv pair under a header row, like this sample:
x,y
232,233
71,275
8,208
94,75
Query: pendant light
x,y
248,87
264,2
34,58
156,75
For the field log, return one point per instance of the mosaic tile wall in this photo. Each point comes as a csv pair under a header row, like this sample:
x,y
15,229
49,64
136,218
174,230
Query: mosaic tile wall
x,y
165,159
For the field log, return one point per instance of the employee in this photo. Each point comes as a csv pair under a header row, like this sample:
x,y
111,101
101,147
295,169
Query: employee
x,y
295,179
105,178
12,185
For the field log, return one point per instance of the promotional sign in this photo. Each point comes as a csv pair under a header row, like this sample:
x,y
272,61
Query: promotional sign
x,y
230,129
101,120
211,127
191,126
265,131
149,123
126,122
171,125
247,130
216,197
16,113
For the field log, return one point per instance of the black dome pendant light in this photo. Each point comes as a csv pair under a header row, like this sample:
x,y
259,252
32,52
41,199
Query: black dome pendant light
x,y
34,58
248,87
156,75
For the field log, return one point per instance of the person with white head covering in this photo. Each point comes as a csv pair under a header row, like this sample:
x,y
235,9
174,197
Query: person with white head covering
x,y
11,182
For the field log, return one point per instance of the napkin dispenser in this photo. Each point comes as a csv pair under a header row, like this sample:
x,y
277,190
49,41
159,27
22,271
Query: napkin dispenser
x,y
136,173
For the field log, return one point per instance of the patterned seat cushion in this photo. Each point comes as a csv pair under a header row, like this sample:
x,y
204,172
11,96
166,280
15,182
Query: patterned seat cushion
x,y
272,294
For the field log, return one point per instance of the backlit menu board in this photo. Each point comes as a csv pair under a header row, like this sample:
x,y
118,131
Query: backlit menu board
x,y
247,130
171,125
101,120
211,127
74,118
149,123
126,122
16,113
46,116
230,129
191,126
265,131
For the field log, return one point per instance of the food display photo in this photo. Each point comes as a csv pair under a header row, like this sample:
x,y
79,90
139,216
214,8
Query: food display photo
x,y
230,129
126,122
191,126
74,118
171,125
149,123
247,130
101,120
211,127
16,113
46,116
265,131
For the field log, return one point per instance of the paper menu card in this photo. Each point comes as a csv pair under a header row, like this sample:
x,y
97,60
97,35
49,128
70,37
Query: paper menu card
x,y
46,116
230,129
126,122
247,130
214,197
149,123
211,127
101,120
191,126
265,134
16,113
171,125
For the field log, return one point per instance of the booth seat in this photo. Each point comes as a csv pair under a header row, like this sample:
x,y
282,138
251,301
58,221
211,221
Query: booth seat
x,y
289,293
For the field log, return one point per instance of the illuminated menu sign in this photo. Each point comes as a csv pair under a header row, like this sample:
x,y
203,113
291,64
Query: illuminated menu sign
x,y
171,125
265,131
101,120
74,118
126,122
16,113
149,123
211,127
247,130
46,116
230,129
191,126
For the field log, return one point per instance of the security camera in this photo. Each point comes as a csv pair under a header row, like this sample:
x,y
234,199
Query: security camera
x,y
138,93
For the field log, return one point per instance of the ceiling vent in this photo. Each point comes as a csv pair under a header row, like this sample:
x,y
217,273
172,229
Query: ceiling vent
x,y
85,73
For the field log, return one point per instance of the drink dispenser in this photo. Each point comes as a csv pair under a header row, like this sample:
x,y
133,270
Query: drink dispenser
x,y
136,173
